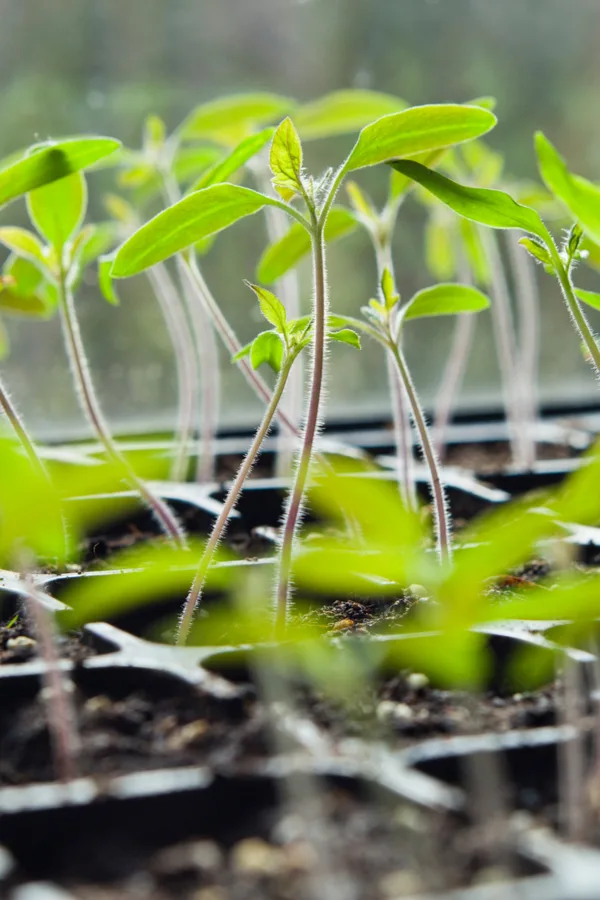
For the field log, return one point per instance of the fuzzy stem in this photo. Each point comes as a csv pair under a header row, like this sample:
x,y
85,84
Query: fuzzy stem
x,y
577,315
91,408
18,427
526,291
56,696
210,374
185,361
220,525
231,342
294,505
442,524
400,415
504,334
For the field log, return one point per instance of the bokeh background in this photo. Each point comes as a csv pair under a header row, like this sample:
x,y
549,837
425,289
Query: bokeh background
x,y
69,66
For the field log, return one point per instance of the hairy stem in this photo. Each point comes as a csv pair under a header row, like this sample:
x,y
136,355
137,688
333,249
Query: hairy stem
x,y
91,408
185,360
294,505
577,315
220,525
442,524
526,292
10,411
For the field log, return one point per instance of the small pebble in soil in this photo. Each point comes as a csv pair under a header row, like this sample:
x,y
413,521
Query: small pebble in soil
x,y
418,591
202,856
401,883
21,643
417,681
256,856
388,711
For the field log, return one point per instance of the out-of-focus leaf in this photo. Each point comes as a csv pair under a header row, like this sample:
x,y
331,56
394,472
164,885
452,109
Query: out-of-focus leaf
x,y
105,282
57,210
223,169
580,196
23,243
231,118
343,112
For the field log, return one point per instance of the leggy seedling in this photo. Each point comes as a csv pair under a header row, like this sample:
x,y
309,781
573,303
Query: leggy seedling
x,y
211,210
57,211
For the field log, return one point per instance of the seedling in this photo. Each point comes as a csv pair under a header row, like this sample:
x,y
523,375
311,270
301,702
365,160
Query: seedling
x,y
210,210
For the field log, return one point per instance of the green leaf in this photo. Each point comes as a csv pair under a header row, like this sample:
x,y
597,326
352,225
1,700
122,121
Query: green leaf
x,y
493,208
4,339
346,336
23,243
155,133
388,289
270,306
267,347
58,209
105,282
416,130
190,220
537,250
221,171
445,300
51,161
287,252
24,297
581,197
285,160
231,118
439,248
93,241
342,112
361,204
589,297
401,185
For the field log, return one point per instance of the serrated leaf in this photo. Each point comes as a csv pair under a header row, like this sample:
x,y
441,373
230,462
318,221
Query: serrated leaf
x,y
580,196
416,130
197,216
589,297
58,209
342,112
221,171
231,118
537,250
439,248
285,160
493,208
284,254
105,282
23,243
346,336
445,300
270,306
49,162
267,347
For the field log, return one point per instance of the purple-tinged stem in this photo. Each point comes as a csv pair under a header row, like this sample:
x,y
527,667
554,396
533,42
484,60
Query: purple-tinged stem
x,y
220,525
91,408
442,523
57,692
185,360
527,296
311,427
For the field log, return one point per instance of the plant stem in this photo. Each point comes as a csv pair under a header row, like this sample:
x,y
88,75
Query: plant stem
x,y
577,314
18,427
442,524
220,525
91,408
209,375
310,429
185,360
526,292
504,335
60,712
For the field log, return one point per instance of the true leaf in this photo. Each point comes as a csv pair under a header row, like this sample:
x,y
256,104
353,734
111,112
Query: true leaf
x,y
445,300
346,336
221,171
105,282
360,202
416,130
589,297
285,160
388,289
487,207
580,196
537,250
23,243
51,161
270,306
234,115
342,112
284,254
23,296
267,347
58,209
190,220
155,132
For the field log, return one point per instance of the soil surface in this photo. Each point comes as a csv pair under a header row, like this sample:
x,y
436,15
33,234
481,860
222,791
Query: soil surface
x,y
493,456
18,646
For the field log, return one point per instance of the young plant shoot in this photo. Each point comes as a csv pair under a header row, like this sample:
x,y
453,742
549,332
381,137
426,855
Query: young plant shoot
x,y
387,317
57,211
212,209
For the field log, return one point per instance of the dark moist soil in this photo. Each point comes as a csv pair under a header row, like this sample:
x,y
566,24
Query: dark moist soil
x,y
18,646
359,846
140,730
487,458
